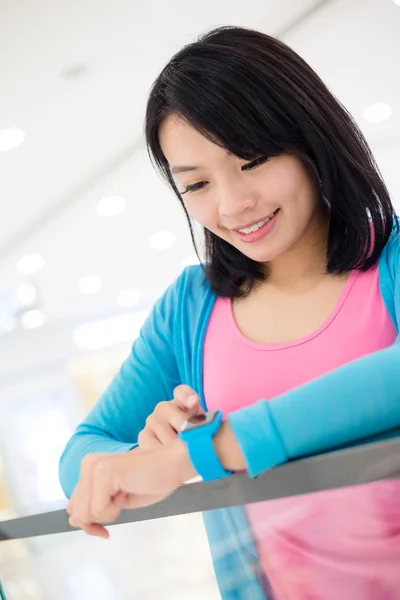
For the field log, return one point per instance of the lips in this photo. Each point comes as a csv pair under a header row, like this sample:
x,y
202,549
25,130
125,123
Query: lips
x,y
261,232
255,222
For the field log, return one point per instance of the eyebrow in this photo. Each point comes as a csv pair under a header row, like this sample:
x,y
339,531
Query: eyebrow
x,y
183,169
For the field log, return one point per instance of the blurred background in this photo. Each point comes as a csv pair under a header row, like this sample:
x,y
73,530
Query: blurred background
x,y
90,237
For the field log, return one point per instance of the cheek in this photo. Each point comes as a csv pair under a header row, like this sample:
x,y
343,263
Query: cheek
x,y
281,187
202,212
284,179
293,193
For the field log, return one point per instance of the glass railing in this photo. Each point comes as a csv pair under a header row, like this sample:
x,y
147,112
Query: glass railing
x,y
162,551
167,558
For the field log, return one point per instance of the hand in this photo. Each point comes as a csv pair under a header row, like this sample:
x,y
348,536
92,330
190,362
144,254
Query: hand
x,y
110,483
163,425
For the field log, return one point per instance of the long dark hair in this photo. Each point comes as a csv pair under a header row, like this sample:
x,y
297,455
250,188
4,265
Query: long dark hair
x,y
253,95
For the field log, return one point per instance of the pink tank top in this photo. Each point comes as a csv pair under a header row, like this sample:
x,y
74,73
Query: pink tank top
x,y
342,543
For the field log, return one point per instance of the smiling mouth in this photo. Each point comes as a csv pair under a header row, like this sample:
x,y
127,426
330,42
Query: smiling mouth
x,y
257,226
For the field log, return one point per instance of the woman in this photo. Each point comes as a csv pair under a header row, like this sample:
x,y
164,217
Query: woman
x,y
299,307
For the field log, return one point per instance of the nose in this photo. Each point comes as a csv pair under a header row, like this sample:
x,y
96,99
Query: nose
x,y
236,198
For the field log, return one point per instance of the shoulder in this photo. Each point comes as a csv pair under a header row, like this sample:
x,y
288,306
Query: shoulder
x,y
390,256
389,274
187,292
193,279
176,316
394,240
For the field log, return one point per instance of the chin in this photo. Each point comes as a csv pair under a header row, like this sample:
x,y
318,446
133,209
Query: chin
x,y
261,256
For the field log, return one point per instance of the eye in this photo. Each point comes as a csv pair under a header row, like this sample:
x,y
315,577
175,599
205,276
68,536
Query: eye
x,y
254,163
194,187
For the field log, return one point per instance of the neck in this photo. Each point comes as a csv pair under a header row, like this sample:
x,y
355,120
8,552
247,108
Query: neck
x,y
305,262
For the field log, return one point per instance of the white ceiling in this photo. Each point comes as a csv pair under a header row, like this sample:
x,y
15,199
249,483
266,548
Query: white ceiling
x,y
84,133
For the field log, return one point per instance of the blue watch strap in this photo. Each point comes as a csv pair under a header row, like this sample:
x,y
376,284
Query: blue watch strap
x,y
202,454
204,458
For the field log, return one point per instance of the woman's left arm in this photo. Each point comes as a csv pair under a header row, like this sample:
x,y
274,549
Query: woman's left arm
x,y
352,403
356,401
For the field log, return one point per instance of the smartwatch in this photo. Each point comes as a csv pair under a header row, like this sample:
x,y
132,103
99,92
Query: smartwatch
x,y
198,433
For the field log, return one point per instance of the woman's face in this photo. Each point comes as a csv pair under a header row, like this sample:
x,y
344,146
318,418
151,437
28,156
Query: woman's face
x,y
263,208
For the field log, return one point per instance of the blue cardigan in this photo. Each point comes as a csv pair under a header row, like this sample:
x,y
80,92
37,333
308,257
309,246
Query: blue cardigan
x,y
356,401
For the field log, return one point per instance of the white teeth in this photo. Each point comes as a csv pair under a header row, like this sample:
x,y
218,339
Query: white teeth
x,y
257,226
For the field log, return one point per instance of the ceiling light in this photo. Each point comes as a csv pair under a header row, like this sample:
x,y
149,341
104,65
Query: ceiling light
x,y
397,2
376,113
163,240
128,298
30,264
33,319
190,260
108,332
90,284
11,138
111,206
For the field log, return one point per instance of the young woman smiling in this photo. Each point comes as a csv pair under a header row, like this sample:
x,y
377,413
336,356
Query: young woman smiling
x,y
283,344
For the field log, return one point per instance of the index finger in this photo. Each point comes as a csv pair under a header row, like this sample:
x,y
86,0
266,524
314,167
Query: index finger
x,y
187,399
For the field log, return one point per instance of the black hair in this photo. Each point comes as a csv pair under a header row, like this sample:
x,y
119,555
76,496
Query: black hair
x,y
254,96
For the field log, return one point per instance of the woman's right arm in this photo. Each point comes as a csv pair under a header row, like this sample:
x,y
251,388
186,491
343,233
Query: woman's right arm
x,y
148,376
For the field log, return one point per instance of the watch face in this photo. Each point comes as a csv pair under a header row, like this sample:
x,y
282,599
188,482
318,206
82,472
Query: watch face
x,y
200,420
